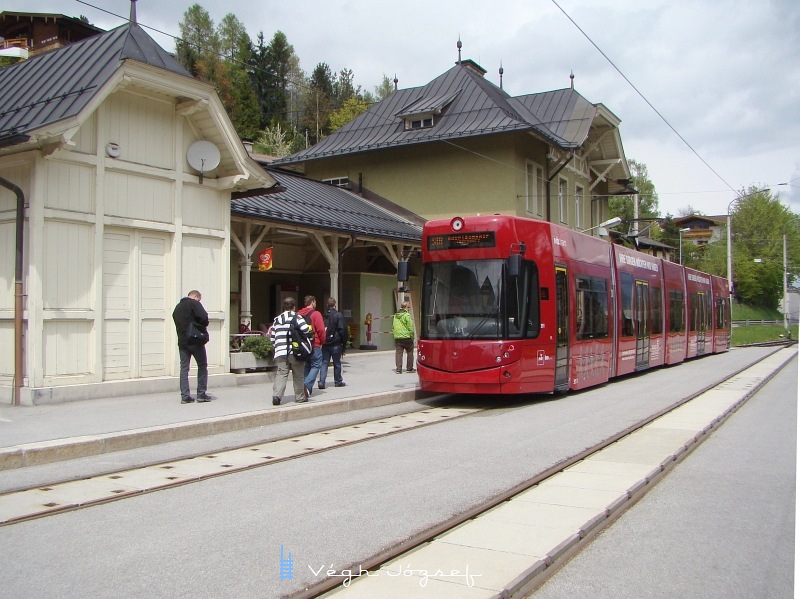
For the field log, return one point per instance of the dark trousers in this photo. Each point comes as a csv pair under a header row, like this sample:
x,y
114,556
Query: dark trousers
x,y
400,346
198,352
328,352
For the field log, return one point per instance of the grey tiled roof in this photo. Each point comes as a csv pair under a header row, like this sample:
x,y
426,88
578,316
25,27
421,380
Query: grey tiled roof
x,y
58,85
478,107
317,205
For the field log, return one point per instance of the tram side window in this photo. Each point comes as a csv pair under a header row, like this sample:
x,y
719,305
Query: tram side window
x,y
591,303
694,311
677,321
627,304
522,303
656,312
534,318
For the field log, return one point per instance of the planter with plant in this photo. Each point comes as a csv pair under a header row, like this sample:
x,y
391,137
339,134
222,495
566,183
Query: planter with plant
x,y
256,352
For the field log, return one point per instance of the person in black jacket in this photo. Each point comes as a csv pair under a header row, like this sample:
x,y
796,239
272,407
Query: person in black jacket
x,y
335,342
191,322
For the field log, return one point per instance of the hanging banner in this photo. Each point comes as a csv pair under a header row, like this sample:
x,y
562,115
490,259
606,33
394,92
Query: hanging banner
x,y
265,259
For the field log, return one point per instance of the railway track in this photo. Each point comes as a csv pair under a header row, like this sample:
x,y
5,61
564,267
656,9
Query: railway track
x,y
509,545
116,486
46,500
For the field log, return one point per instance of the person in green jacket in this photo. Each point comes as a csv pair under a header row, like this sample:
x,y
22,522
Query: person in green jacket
x,y
403,332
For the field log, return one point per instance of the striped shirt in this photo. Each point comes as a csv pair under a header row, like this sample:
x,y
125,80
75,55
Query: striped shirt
x,y
281,334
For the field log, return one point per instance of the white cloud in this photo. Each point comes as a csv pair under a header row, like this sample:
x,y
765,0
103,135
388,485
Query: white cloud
x,y
724,73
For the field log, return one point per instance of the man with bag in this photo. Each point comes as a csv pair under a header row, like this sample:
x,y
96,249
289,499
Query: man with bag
x,y
191,322
336,335
285,359
314,363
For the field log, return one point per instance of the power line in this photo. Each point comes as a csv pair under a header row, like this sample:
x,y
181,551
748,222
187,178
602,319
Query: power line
x,y
642,96
303,85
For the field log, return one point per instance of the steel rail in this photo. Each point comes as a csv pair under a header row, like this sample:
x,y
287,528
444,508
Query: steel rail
x,y
374,562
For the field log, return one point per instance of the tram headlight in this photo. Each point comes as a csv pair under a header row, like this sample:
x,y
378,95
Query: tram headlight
x,y
457,224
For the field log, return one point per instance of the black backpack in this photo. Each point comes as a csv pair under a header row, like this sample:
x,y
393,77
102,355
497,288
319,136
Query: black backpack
x,y
331,338
301,345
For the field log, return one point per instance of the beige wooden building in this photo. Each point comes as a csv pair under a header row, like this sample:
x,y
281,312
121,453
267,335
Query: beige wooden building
x,y
101,138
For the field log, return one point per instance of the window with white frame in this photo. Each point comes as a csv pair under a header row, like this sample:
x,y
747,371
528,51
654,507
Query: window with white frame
x,y
534,189
578,207
337,181
419,121
562,200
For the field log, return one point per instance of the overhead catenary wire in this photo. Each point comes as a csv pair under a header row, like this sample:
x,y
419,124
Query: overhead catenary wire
x,y
302,85
642,96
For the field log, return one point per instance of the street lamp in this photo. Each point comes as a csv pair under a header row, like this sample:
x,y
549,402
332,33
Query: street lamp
x,y
611,222
680,244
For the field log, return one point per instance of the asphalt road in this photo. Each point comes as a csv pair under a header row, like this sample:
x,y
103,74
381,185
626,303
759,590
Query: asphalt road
x,y
223,537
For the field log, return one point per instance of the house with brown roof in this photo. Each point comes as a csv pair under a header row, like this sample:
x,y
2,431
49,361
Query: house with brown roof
x,y
461,145
702,230
26,34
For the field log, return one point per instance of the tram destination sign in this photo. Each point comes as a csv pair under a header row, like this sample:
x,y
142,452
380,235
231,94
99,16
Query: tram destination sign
x,y
461,241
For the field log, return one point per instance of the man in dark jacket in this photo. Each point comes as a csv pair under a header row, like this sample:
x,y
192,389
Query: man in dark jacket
x,y
191,322
333,347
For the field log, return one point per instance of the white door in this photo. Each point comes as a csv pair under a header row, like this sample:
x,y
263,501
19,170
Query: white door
x,y
134,301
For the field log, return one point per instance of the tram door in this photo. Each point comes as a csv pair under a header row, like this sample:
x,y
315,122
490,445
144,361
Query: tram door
x,y
562,330
701,325
642,325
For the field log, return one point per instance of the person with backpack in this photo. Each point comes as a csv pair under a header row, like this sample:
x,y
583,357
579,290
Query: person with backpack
x,y
191,327
314,363
291,340
336,335
403,332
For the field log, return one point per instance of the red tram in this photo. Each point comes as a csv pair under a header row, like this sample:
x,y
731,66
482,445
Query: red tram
x,y
514,305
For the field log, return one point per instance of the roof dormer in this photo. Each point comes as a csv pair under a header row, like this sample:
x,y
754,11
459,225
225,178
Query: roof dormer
x,y
422,113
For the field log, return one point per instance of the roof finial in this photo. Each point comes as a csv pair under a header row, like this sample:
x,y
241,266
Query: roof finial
x,y
395,82
458,45
571,79
133,11
501,74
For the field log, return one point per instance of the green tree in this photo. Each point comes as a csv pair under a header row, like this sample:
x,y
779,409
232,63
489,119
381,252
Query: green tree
x,y
351,108
220,55
198,43
758,224
622,206
237,51
273,141
318,103
344,88
7,61
274,67
385,89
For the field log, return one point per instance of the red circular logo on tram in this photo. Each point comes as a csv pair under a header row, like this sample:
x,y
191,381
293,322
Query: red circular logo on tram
x,y
457,223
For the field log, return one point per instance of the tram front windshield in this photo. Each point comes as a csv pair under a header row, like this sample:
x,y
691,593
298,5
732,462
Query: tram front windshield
x,y
474,299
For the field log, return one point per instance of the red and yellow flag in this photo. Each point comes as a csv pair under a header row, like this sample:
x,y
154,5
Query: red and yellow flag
x,y
265,259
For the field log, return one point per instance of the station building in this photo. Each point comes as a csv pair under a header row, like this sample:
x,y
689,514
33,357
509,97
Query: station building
x,y
118,220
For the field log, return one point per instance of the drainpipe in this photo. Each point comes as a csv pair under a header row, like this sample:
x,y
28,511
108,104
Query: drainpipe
x,y
550,179
17,290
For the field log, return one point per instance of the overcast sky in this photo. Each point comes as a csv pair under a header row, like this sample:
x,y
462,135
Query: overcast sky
x,y
725,74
